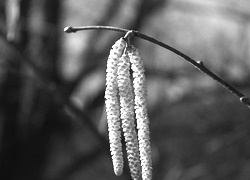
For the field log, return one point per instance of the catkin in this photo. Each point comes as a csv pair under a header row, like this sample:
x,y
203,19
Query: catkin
x,y
127,116
139,84
113,107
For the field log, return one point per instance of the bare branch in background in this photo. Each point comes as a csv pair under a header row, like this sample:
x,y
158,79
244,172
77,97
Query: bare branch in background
x,y
12,18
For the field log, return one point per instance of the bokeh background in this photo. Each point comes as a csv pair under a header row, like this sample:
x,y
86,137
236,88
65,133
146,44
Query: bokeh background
x,y
52,117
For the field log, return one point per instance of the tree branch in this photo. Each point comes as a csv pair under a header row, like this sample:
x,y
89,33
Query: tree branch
x,y
197,64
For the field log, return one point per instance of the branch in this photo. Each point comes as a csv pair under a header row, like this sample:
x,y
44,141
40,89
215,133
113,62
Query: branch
x,y
197,64
71,29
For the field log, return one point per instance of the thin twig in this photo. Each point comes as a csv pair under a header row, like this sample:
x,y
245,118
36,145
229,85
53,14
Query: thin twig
x,y
71,29
197,64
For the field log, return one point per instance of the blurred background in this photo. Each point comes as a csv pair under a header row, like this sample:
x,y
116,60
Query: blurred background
x,y
52,117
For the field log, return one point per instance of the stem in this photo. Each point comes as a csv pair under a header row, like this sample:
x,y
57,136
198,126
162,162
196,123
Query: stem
x,y
197,64
71,29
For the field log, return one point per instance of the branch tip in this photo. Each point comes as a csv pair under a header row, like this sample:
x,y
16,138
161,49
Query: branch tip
x,y
69,29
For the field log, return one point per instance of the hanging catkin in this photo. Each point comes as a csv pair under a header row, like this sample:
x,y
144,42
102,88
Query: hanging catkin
x,y
127,116
113,107
139,84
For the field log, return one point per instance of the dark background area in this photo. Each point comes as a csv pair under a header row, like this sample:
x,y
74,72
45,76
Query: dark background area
x,y
52,117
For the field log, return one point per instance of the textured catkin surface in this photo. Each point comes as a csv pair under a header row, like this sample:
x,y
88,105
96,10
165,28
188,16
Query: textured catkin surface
x,y
139,84
127,116
113,107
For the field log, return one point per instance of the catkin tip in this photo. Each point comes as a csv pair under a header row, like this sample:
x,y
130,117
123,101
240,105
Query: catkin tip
x,y
118,172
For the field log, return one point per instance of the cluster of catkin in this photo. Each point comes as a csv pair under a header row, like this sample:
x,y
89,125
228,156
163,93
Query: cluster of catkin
x,y
125,99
